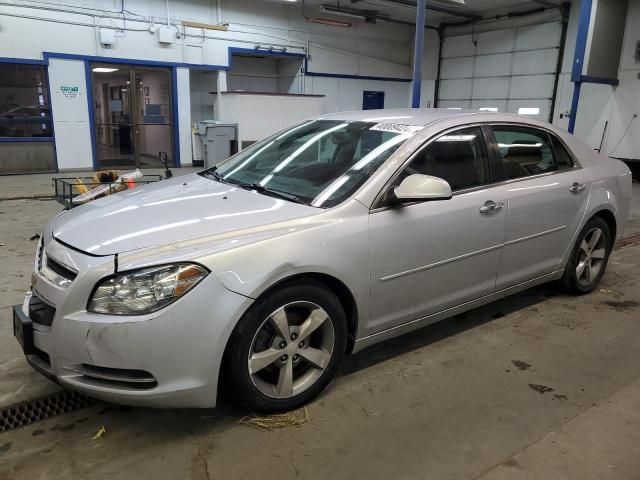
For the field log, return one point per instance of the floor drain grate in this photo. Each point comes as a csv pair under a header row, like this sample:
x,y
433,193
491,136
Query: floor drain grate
x,y
30,411
629,241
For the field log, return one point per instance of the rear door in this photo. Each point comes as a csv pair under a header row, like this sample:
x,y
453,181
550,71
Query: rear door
x,y
547,193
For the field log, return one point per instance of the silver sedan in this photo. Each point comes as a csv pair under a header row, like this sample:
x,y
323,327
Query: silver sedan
x,y
332,235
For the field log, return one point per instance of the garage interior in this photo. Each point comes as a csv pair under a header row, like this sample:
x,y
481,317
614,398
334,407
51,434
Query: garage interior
x,y
538,385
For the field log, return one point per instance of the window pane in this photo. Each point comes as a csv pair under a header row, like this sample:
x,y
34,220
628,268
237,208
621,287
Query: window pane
x,y
524,151
460,158
153,140
563,159
24,101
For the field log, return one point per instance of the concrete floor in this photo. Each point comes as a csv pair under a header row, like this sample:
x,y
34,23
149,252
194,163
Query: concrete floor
x,y
540,385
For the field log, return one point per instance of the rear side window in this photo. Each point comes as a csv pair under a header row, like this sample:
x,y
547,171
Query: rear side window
x,y
561,155
524,151
459,157
528,151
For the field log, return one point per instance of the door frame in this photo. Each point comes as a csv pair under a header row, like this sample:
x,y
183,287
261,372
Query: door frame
x,y
175,130
173,105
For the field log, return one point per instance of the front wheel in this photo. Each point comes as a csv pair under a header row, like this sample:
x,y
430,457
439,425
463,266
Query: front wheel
x,y
286,348
589,257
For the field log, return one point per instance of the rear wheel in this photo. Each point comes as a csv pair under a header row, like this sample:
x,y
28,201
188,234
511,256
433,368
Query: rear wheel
x,y
589,257
287,348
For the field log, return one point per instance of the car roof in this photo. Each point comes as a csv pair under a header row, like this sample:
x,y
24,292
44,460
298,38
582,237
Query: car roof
x,y
420,116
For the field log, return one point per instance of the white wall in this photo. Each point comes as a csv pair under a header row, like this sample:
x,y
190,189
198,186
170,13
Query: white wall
x,y
29,28
602,103
184,116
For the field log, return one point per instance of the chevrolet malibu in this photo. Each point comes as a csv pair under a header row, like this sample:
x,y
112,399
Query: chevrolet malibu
x,y
325,238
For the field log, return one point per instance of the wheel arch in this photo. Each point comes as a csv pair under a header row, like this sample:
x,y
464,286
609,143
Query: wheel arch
x,y
338,288
335,285
610,219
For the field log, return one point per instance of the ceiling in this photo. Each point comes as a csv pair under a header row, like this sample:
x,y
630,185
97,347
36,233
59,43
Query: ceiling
x,y
397,11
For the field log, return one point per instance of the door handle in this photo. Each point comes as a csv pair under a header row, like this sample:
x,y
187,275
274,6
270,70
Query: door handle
x,y
490,207
577,187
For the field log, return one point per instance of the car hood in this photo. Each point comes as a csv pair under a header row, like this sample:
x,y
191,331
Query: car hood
x,y
170,211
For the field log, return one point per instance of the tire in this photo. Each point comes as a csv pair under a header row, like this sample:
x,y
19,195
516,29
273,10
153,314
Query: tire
x,y
260,360
589,258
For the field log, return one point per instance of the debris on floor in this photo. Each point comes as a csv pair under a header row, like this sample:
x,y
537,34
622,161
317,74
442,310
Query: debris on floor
x,y
100,433
278,421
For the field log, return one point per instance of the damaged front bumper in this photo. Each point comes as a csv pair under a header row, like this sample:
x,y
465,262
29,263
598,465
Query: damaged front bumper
x,y
170,358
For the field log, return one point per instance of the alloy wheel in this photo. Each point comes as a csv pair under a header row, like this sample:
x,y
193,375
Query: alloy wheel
x,y
591,256
291,349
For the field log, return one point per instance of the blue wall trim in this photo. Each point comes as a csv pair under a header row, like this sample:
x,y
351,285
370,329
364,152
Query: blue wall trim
x,y
357,77
260,51
128,61
92,121
354,77
26,139
22,61
53,128
174,116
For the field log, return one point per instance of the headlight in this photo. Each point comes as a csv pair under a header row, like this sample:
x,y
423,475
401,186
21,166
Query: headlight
x,y
144,291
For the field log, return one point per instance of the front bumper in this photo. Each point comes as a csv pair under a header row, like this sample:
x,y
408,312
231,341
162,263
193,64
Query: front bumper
x,y
170,358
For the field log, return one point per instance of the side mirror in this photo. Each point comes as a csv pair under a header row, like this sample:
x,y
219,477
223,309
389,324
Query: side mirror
x,y
420,188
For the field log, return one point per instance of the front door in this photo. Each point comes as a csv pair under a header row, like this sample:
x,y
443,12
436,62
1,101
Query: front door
x,y
547,197
429,256
132,115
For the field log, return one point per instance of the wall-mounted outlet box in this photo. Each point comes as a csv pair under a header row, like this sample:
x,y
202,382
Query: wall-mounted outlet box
x,y
166,34
107,37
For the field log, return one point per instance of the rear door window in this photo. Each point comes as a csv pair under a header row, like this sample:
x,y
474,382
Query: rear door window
x,y
526,151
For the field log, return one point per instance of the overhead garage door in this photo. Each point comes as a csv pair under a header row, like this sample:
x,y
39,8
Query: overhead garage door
x,y
509,70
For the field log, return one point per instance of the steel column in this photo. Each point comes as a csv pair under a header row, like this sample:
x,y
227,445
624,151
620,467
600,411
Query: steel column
x,y
417,54
578,60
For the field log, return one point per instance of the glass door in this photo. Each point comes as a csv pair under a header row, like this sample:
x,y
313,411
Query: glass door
x,y
132,114
153,115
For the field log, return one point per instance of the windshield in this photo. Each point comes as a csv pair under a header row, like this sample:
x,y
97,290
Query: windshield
x,y
318,163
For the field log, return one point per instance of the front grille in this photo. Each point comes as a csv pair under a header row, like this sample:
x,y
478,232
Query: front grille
x,y
61,270
41,312
117,377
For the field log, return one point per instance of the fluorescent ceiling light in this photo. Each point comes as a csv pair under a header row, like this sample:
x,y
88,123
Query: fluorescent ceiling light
x,y
323,9
105,69
529,111
327,21
488,109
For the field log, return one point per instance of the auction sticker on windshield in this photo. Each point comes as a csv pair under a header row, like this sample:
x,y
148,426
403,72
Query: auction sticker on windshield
x,y
396,128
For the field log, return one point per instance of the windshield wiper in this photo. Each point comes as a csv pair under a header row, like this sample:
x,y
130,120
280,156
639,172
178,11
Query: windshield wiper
x,y
214,174
272,191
